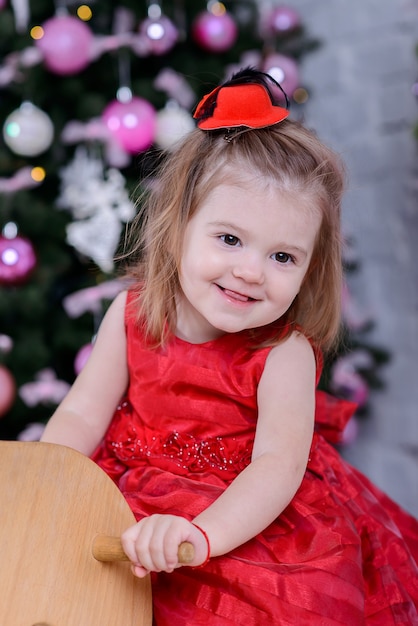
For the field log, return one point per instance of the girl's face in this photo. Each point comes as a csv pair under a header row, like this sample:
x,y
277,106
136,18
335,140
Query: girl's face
x,y
245,254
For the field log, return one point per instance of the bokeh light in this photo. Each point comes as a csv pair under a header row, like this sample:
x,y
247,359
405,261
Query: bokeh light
x,y
84,12
37,32
38,174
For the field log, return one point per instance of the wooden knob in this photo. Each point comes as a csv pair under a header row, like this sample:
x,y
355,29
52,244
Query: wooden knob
x,y
107,548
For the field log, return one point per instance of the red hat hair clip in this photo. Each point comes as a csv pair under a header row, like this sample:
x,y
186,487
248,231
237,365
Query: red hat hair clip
x,y
245,102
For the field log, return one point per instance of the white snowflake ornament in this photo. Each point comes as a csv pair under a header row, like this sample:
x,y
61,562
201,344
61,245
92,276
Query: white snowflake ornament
x,y
99,204
96,238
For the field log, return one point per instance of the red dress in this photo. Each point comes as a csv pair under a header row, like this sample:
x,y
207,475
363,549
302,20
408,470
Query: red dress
x,y
341,552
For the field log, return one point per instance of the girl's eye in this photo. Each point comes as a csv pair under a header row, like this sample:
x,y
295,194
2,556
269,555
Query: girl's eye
x,y
230,240
282,257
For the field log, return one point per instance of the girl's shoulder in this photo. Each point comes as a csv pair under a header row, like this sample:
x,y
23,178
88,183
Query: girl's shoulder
x,y
287,341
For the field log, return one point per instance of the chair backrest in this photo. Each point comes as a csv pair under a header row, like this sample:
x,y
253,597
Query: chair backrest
x,y
53,502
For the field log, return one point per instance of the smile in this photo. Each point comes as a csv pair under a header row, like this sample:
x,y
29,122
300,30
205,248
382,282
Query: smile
x,y
234,295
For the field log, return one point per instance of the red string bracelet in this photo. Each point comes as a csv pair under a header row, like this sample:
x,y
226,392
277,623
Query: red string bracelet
x,y
206,561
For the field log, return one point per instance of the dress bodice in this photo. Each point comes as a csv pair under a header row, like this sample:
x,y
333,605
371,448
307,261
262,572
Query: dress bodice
x,y
189,406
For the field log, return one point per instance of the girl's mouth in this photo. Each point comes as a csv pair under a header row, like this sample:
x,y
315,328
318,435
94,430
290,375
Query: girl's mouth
x,y
234,295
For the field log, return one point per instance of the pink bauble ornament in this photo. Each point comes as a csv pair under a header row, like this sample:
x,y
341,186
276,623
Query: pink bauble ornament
x,y
2,4
160,34
215,33
131,123
82,357
7,390
282,20
66,44
284,70
17,260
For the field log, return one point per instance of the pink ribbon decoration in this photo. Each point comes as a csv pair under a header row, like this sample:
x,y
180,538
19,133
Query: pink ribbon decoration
x,y
96,130
45,389
11,69
32,432
22,179
346,379
90,299
176,87
14,63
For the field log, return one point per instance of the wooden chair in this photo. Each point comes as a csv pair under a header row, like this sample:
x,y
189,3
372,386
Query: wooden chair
x,y
54,502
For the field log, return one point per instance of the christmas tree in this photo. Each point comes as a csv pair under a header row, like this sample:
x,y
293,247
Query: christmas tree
x,y
88,97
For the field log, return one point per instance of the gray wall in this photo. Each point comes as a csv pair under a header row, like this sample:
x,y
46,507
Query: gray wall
x,y
362,105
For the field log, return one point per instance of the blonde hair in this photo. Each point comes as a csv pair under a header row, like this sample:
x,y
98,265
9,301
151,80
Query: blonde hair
x,y
287,155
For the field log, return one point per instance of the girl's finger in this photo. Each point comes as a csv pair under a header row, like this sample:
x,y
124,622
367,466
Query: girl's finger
x,y
139,571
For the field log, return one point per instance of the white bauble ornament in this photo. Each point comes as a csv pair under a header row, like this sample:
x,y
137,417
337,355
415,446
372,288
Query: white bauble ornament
x,y
28,131
173,122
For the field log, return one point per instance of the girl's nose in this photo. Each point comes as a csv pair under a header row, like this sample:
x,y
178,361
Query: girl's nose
x,y
249,268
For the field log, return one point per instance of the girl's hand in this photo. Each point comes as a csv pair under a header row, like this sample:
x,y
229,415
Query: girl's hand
x,y
152,544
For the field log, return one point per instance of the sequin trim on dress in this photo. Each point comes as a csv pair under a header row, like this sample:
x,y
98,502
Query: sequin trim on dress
x,y
185,450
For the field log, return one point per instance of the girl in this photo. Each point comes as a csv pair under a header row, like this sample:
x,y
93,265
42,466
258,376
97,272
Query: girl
x,y
212,358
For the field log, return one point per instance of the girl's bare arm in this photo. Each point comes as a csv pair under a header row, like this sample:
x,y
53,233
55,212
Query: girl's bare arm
x,y
82,418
